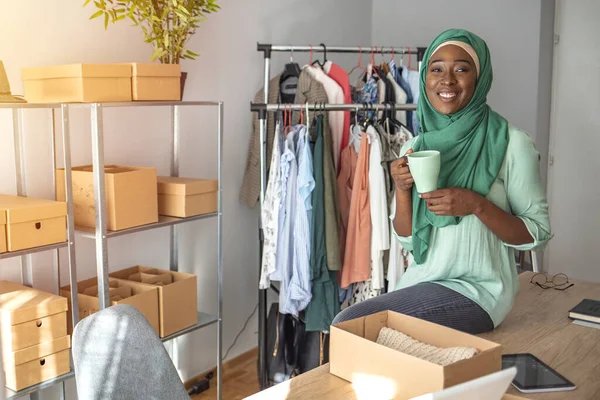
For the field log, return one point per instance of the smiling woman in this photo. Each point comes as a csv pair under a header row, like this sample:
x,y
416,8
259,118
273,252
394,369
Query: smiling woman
x,y
491,199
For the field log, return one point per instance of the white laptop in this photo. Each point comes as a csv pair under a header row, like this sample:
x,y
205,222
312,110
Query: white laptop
x,y
489,387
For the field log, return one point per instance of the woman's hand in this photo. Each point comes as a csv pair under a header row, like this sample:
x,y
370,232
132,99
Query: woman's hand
x,y
401,173
454,202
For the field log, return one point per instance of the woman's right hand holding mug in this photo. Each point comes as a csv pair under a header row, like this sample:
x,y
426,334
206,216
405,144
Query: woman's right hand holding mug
x,y
401,173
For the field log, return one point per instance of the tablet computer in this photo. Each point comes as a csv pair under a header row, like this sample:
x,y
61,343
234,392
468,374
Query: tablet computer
x,y
533,376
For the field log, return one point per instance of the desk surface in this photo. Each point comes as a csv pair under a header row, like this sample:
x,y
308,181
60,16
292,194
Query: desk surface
x,y
538,324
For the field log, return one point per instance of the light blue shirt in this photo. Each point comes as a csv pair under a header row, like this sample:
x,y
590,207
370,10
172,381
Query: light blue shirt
x,y
300,285
412,77
289,173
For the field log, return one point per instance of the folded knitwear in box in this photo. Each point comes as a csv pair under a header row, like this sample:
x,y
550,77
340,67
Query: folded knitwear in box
x,y
442,356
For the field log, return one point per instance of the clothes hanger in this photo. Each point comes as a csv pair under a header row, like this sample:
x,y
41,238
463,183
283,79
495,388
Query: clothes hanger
x,y
291,69
324,57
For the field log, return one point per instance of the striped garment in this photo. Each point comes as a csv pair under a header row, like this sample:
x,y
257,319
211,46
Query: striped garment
x,y
299,290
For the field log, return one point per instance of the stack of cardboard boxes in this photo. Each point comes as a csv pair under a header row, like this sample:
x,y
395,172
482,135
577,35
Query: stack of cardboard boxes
x,y
35,344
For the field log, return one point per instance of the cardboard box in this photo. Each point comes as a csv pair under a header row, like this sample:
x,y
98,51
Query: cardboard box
x,y
2,232
354,353
511,397
76,83
131,196
32,222
178,301
156,81
29,317
37,363
142,297
185,197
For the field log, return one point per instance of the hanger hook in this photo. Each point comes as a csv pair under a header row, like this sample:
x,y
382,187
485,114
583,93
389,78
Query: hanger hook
x,y
324,53
311,54
292,54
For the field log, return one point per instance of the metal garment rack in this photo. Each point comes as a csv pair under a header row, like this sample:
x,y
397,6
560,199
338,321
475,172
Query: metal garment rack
x,y
262,109
101,235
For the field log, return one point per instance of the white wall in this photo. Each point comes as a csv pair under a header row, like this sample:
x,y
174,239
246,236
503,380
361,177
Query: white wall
x,y
229,69
511,29
573,178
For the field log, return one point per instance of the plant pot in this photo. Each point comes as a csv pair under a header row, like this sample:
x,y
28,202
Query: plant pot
x,y
183,78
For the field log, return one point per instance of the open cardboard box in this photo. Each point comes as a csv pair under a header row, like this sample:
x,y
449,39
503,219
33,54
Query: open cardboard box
x,y
178,301
355,356
142,297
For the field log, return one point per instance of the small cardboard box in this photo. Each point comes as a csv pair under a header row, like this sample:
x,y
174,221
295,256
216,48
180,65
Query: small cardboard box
x,y
178,301
142,297
131,196
2,232
37,363
156,81
185,197
77,83
29,317
32,222
354,354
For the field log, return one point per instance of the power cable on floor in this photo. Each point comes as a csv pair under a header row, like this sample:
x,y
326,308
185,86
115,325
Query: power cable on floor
x,y
240,332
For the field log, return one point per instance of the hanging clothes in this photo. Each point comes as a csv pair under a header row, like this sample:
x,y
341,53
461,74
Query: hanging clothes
x,y
335,95
345,182
270,212
324,305
299,286
397,72
380,238
285,240
250,191
400,98
412,77
356,267
340,76
311,91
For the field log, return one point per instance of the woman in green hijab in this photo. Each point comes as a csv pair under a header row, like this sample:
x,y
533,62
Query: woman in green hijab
x,y
491,199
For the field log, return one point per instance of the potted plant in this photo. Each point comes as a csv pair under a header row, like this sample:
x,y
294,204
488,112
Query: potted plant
x,y
166,24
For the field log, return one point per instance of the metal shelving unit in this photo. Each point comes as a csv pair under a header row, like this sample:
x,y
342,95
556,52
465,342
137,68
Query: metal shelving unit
x,y
100,234
25,255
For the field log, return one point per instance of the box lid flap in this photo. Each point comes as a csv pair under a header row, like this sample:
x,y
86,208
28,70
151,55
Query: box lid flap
x,y
22,209
78,71
156,70
38,351
19,303
185,186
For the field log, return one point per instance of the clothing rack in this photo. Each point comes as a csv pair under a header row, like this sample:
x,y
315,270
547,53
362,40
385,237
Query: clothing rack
x,y
262,110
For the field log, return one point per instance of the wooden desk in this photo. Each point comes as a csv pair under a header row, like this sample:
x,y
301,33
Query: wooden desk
x,y
538,324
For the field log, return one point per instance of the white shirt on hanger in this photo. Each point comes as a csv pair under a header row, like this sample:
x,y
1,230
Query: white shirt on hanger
x,y
335,95
380,223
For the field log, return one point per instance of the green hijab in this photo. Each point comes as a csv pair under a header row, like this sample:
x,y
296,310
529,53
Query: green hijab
x,y
472,142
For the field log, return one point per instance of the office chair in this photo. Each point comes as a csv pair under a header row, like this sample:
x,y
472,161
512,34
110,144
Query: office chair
x,y
118,356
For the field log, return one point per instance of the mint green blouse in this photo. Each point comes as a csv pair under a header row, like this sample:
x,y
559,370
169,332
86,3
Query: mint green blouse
x,y
468,257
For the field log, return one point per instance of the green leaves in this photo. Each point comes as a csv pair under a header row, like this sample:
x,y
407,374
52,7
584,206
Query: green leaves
x,y
166,24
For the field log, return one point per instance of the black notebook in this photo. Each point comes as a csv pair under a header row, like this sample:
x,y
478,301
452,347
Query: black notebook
x,y
587,310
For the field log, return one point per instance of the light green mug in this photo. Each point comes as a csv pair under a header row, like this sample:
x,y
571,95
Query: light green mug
x,y
425,169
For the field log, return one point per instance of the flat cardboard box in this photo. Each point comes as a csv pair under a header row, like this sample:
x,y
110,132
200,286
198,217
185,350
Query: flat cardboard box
x,y
154,81
29,317
142,297
77,83
131,196
354,353
32,222
2,232
186,197
178,301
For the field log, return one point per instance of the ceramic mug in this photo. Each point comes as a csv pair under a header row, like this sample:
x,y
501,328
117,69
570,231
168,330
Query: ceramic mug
x,y
425,169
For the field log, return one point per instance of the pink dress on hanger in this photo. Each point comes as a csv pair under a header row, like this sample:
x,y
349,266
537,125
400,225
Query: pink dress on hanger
x,y
357,257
